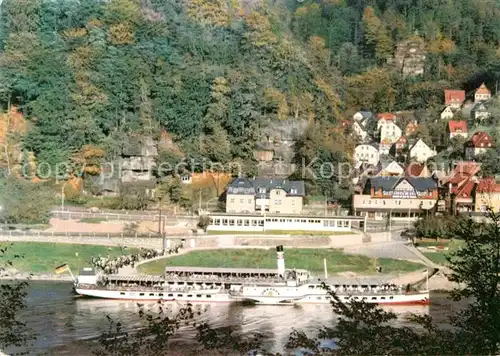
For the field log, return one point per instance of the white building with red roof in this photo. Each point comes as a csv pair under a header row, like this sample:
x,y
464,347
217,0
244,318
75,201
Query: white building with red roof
x,y
482,94
454,98
385,118
479,143
457,128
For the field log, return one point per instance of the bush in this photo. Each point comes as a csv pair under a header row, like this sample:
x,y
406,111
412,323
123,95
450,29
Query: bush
x,y
437,227
24,202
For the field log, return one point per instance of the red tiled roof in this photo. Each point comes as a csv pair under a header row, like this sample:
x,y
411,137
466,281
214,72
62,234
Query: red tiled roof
x,y
414,169
481,139
386,116
454,96
465,190
402,140
483,90
466,168
457,126
488,185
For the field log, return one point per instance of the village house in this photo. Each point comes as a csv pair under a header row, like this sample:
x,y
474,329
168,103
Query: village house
x,y
385,146
359,128
367,154
478,144
400,145
385,118
458,128
391,131
457,190
421,152
480,112
411,128
487,195
390,168
263,195
362,116
482,94
447,113
400,197
454,98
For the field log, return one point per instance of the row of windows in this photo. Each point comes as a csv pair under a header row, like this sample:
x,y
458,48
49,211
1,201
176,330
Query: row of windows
x,y
260,222
238,222
250,201
398,202
171,295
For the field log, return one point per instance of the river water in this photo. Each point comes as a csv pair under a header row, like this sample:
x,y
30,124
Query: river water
x,y
67,325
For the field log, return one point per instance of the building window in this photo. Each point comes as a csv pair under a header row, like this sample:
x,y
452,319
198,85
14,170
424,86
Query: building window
x,y
278,192
277,202
293,191
262,190
232,200
249,201
293,202
239,222
242,201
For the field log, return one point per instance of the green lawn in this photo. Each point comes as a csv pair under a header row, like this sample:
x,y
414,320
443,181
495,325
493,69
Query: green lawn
x,y
310,259
439,257
279,232
41,257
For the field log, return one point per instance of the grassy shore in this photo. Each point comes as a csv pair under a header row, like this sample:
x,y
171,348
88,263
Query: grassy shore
x,y
439,254
41,257
310,259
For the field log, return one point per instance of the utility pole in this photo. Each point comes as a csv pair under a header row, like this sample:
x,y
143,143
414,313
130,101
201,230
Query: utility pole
x,y
160,220
62,195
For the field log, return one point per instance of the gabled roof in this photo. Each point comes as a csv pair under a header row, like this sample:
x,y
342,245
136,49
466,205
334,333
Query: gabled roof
x,y
468,168
481,139
465,191
483,89
365,114
488,185
454,96
251,186
457,126
402,140
419,140
389,183
482,106
411,126
386,116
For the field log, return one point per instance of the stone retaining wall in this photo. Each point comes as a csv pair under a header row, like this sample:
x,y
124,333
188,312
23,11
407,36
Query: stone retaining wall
x,y
222,241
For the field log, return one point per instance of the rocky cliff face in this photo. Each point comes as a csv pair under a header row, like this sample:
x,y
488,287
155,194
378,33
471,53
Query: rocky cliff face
x,y
275,150
410,57
138,160
136,165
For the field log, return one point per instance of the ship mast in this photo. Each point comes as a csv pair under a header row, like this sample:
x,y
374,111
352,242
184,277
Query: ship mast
x,y
280,260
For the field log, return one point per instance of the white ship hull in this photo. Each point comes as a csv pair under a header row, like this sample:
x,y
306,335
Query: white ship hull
x,y
222,297
193,296
421,298
315,294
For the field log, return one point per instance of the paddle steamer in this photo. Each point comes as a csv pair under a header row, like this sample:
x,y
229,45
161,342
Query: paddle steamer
x,y
258,286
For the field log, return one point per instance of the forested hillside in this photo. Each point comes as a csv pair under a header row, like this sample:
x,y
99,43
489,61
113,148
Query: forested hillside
x,y
213,72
